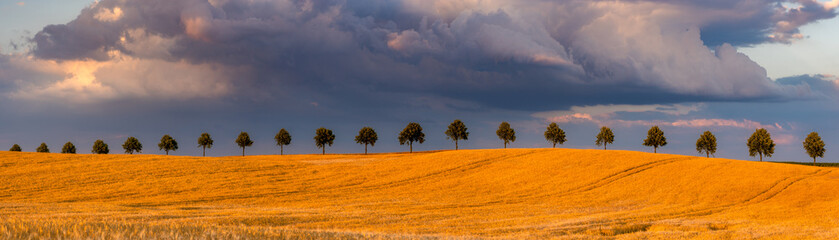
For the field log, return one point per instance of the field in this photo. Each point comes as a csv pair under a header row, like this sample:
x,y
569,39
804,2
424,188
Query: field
x,y
466,194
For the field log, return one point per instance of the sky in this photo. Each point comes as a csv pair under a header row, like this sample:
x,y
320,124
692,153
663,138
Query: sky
x,y
82,70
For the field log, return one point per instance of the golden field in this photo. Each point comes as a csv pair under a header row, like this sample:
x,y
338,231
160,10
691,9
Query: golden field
x,y
466,194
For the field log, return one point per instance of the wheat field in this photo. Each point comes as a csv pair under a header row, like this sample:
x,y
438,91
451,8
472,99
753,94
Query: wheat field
x,y
466,194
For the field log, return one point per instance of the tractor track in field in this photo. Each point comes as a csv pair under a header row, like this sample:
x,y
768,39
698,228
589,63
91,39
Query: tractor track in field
x,y
621,175
774,190
614,177
459,169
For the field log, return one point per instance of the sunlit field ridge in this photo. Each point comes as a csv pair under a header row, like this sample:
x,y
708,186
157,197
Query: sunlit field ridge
x,y
465,194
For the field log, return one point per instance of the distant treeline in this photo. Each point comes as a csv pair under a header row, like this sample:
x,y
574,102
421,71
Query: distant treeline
x,y
759,144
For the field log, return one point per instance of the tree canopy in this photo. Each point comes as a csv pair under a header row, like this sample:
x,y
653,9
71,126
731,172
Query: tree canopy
x,y
100,147
655,139
760,143
68,148
457,131
412,133
323,137
15,148
706,143
244,140
506,133
204,142
167,143
366,136
43,148
132,145
605,137
814,146
283,138
554,134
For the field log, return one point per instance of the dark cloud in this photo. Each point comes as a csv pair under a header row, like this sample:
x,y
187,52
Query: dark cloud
x,y
533,55
818,85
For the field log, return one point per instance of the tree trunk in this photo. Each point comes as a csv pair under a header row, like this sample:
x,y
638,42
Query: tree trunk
x,y
814,161
505,144
204,151
761,156
411,147
243,151
455,145
281,149
365,149
323,150
554,145
604,146
655,149
707,154
167,152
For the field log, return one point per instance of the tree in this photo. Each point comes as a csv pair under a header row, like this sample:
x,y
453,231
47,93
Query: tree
x,y
43,148
605,137
760,143
707,143
322,138
68,148
366,136
132,145
244,140
655,139
814,146
412,133
457,131
167,143
204,142
15,148
100,147
506,133
554,134
283,138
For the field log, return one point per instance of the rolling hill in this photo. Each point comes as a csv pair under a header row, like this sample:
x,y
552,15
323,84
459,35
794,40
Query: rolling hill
x,y
466,194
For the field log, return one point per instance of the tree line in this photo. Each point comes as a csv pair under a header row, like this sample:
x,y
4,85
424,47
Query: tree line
x,y
759,144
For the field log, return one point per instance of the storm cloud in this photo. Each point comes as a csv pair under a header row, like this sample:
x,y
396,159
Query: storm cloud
x,y
467,54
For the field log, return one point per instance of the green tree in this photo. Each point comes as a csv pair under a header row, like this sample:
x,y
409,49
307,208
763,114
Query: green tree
x,y
655,139
43,148
367,136
457,131
506,133
283,138
554,134
15,148
100,147
322,138
760,143
814,146
132,145
707,143
244,140
167,143
204,142
68,148
605,137
412,133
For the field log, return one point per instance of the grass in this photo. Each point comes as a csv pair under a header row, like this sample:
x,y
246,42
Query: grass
x,y
466,194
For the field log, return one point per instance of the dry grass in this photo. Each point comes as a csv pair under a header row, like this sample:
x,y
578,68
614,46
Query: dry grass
x,y
467,194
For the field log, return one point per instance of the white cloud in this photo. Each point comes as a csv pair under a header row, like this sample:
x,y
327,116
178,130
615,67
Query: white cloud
x,y
605,111
831,4
120,78
109,15
606,115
